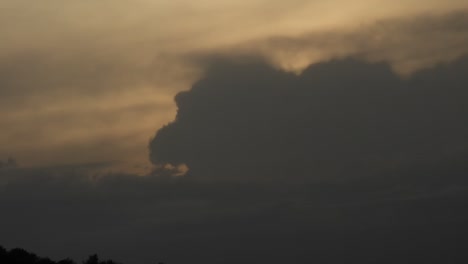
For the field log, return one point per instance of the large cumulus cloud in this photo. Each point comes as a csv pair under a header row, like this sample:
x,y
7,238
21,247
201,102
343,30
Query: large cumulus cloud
x,y
346,163
337,119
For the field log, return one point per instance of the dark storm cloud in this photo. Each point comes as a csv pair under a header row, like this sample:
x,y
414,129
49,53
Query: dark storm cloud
x,y
337,119
346,163
66,211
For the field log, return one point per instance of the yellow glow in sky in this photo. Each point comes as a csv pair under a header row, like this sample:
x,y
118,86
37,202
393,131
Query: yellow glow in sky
x,y
90,81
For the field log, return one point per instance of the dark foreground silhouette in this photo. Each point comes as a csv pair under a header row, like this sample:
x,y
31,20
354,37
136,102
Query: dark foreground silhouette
x,y
21,256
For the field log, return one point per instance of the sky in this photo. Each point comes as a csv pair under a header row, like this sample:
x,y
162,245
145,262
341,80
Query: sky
x,y
227,131
91,81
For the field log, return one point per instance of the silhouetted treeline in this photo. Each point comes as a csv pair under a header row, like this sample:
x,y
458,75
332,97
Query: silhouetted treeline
x,y
21,256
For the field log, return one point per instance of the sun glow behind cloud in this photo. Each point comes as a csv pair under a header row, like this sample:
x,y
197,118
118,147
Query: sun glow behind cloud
x,y
92,80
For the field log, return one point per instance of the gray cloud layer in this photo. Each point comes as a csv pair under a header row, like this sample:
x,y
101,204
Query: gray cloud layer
x,y
344,163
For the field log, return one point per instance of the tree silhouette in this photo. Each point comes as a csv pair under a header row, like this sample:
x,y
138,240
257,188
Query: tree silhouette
x,y
45,261
3,254
21,256
93,259
66,261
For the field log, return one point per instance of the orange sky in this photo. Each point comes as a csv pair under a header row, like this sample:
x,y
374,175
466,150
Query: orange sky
x,y
91,81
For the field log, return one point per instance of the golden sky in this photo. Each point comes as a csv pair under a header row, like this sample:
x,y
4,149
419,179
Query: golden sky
x,y
91,81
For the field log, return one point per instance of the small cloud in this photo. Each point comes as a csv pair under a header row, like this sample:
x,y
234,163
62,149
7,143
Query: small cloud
x,y
9,163
171,170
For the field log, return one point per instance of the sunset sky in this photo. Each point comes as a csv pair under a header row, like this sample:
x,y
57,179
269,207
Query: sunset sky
x,y
235,113
91,81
